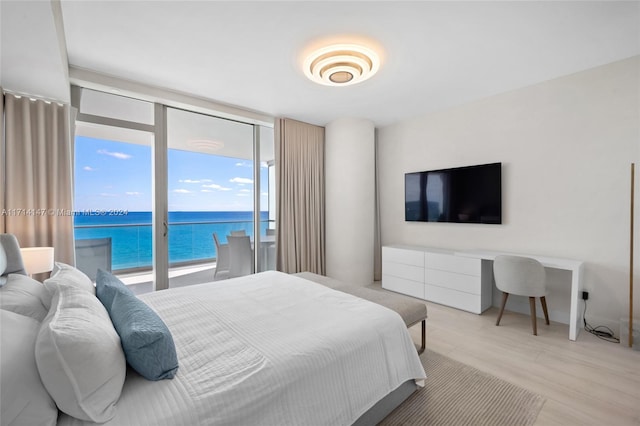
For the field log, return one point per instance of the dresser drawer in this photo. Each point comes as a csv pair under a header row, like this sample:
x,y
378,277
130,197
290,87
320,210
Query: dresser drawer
x,y
452,263
456,299
403,256
409,272
404,286
460,282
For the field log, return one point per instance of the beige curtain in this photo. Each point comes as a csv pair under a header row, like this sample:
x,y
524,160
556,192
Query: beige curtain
x,y
300,187
37,163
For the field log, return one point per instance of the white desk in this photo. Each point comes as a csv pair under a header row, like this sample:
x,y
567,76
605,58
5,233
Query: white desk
x,y
571,265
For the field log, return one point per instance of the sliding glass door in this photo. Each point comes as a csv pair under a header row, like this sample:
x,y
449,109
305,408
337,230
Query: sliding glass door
x,y
210,191
168,180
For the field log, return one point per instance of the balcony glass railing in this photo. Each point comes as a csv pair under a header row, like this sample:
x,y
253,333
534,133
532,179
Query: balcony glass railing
x,y
189,243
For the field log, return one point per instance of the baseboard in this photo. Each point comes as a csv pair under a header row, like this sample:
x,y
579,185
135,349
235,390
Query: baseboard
x,y
613,325
563,317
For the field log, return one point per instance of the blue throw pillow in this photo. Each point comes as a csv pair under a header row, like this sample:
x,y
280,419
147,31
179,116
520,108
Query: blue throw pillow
x,y
146,341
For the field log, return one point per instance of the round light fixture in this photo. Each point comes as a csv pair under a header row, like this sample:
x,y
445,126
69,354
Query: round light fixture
x,y
341,64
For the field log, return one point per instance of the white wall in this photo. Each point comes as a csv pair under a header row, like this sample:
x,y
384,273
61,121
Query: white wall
x,y
350,198
566,146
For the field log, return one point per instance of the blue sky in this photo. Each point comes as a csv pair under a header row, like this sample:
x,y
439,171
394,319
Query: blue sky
x,y
117,175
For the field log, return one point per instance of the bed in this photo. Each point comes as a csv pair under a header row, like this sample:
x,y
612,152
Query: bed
x,y
271,349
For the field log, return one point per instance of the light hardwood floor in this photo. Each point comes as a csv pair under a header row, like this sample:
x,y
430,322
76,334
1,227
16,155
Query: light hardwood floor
x,y
586,382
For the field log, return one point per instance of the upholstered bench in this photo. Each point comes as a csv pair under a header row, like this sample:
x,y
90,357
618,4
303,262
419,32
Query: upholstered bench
x,y
411,311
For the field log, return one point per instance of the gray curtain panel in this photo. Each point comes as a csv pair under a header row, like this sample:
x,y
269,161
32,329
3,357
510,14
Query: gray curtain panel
x,y
37,163
300,219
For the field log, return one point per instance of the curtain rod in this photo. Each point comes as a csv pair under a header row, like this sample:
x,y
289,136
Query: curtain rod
x,y
33,97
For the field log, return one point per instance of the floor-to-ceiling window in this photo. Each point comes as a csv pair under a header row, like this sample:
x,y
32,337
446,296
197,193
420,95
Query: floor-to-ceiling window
x,y
210,185
114,136
218,179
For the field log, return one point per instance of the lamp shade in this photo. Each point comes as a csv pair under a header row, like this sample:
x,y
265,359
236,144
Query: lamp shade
x,y
37,259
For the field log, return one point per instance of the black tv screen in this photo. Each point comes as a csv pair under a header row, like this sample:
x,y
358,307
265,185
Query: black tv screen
x,y
470,194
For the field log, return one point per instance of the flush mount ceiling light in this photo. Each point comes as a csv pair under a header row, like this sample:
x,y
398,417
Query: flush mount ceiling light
x,y
341,64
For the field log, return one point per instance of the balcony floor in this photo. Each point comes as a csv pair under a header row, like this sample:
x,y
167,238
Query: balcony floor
x,y
142,282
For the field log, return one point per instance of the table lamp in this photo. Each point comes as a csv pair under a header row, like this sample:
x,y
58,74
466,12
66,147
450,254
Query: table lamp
x,y
37,259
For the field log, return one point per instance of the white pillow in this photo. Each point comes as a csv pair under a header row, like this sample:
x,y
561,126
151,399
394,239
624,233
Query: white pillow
x,y
23,398
25,296
79,356
68,275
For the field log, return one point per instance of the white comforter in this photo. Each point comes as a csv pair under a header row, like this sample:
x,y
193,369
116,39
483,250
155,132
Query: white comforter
x,y
270,349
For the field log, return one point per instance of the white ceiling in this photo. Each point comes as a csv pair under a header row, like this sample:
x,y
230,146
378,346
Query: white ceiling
x,y
435,55
32,61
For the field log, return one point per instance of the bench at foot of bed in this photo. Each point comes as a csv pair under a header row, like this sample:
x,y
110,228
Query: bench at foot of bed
x,y
411,311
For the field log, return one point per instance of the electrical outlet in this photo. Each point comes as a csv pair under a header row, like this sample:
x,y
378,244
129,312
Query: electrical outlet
x,y
585,295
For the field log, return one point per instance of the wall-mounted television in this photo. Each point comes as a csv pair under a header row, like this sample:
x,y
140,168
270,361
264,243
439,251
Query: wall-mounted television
x,y
471,194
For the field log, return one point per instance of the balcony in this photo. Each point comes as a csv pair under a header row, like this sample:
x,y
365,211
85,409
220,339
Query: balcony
x,y
192,252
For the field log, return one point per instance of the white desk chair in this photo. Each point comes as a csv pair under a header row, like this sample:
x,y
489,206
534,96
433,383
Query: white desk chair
x,y
521,276
222,260
240,256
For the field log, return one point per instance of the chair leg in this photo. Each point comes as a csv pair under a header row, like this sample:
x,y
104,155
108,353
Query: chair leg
x,y
543,301
532,306
504,302
423,345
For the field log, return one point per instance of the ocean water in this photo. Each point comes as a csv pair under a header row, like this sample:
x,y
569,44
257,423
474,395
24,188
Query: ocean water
x,y
190,234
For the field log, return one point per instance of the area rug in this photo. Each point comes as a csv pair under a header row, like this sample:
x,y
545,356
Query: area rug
x,y
457,394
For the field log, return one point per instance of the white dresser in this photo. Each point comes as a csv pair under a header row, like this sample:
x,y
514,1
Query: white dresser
x,y
438,276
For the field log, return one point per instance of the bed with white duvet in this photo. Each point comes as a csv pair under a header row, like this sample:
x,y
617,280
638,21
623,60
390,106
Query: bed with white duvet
x,y
265,349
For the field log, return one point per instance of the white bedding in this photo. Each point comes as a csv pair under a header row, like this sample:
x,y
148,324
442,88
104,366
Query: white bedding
x,y
270,349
